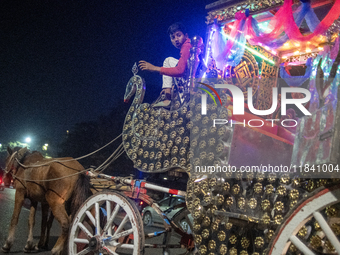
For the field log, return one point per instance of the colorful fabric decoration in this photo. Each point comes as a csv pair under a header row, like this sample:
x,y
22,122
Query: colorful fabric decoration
x,y
296,81
283,21
303,12
234,48
246,28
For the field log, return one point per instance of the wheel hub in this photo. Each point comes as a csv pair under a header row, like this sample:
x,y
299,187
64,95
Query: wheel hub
x,y
94,243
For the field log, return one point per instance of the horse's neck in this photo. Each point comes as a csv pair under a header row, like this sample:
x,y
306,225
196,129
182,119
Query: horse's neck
x,y
27,161
32,156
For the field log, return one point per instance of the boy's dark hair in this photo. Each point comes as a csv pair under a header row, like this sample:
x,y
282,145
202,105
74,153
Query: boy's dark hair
x,y
177,27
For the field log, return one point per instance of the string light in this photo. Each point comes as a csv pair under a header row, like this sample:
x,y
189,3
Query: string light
x,y
209,48
253,51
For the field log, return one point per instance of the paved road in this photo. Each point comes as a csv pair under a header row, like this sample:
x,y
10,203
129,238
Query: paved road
x,y
6,210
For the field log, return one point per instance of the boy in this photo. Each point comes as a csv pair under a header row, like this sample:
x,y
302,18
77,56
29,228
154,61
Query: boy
x,y
171,67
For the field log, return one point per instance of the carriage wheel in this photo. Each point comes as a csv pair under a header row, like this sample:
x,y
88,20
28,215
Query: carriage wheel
x,y
313,226
107,223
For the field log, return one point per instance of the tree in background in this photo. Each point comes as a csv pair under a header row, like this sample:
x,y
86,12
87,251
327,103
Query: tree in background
x,y
87,137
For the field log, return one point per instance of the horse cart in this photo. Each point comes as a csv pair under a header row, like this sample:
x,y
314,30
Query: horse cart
x,y
262,180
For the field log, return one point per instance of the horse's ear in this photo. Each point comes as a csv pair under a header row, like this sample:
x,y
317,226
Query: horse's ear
x,y
9,150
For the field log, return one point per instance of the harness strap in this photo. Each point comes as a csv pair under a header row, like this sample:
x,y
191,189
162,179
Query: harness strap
x,y
10,160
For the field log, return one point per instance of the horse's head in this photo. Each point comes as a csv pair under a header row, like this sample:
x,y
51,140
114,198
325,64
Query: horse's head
x,y
134,83
15,155
7,179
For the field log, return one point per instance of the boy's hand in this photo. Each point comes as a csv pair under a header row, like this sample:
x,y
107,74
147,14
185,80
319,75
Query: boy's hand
x,y
146,66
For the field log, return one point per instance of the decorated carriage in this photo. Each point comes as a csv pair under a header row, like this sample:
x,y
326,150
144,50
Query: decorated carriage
x,y
261,155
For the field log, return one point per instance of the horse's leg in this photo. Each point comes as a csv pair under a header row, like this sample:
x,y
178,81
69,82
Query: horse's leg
x,y
19,200
31,221
58,209
44,214
49,226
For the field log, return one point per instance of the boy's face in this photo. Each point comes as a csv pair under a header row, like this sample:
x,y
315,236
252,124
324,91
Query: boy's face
x,y
178,38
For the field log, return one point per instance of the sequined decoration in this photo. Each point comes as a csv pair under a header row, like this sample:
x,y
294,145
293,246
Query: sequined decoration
x,y
329,246
294,194
265,219
198,239
205,233
233,251
269,189
331,211
236,189
212,245
269,235
252,203
223,249
233,239
259,242
302,232
315,241
228,226
265,205
278,219
221,235
203,249
258,188
245,242
241,203
279,206
292,248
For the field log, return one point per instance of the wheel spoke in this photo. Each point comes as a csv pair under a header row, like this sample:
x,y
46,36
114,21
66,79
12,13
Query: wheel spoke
x,y
85,230
122,234
83,252
97,219
90,216
124,245
327,230
112,217
301,246
79,240
108,209
122,224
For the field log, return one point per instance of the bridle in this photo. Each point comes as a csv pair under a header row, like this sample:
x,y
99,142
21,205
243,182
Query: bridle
x,y
16,156
11,159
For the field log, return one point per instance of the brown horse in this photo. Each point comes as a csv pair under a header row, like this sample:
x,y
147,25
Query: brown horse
x,y
56,183
46,223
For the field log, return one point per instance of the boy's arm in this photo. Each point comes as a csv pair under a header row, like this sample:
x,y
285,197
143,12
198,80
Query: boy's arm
x,y
146,66
178,70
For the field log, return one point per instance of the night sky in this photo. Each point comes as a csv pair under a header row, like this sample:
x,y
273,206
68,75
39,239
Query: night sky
x,y
65,62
